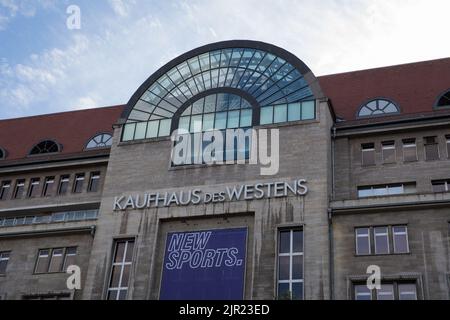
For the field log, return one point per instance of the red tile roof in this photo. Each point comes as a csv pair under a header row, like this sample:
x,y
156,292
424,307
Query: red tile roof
x,y
71,129
414,87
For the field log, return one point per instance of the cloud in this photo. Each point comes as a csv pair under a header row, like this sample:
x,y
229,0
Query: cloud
x,y
105,66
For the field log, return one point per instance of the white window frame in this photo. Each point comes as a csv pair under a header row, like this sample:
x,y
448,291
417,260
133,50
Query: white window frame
x,y
122,265
363,236
384,234
400,233
291,256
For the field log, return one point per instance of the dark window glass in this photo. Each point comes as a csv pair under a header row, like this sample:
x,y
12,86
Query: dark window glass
x,y
33,190
362,241
4,190
49,186
388,149
42,261
20,187
45,147
368,154
63,184
431,148
94,182
120,270
79,182
441,186
444,100
290,265
4,259
401,244
409,150
381,235
56,260
285,241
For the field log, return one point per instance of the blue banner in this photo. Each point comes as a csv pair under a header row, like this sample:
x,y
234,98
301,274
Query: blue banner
x,y
204,265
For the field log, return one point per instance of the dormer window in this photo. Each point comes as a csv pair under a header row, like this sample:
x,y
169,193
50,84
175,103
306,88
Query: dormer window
x,y
444,100
378,107
44,147
2,154
103,140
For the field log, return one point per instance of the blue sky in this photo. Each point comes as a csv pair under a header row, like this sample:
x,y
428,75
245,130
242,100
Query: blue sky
x,y
45,67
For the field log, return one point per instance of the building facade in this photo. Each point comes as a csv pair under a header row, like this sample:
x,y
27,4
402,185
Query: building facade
x,y
323,178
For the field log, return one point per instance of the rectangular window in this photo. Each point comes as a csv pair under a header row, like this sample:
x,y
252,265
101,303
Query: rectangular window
x,y
386,292
280,113
447,138
409,150
386,190
42,261
33,190
368,154
388,150
431,148
70,257
362,236
94,182
441,185
290,265
20,187
49,186
407,291
381,235
4,190
400,240
362,292
79,182
4,259
120,270
63,184
55,260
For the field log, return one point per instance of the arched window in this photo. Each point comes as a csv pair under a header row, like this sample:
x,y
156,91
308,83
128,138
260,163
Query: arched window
x,y
378,107
2,153
47,146
100,141
444,100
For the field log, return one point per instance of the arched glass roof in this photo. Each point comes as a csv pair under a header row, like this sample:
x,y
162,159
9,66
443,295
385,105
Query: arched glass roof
x,y
270,75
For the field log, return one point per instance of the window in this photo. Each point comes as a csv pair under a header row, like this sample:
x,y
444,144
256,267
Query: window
x,y
386,190
362,241
362,292
368,154
121,268
63,184
400,234
441,185
396,290
4,259
146,130
388,150
381,242
79,182
49,186
378,107
94,182
444,100
447,138
19,189
33,189
305,110
44,147
290,265
100,141
386,292
407,291
431,148
4,190
54,260
409,150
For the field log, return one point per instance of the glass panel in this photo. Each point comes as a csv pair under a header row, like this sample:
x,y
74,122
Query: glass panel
x,y
407,291
362,293
112,294
184,123
233,119
297,291
130,249
297,267
285,242
222,102
381,240
164,127
362,241
196,123
400,240
56,261
283,291
246,118
284,266
280,113
266,115
294,111
141,127
125,276
208,121
386,292
122,295
197,107
308,110
298,241
210,103
221,120
120,249
152,130
115,277
42,262
128,131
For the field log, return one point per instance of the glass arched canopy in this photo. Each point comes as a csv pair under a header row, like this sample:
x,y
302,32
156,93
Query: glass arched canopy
x,y
260,73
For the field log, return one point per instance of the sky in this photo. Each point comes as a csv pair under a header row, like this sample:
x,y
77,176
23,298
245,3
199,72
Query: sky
x,y
46,67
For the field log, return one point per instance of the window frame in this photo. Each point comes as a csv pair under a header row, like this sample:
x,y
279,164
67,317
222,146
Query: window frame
x,y
7,259
31,153
395,283
50,259
77,185
407,144
6,184
20,183
369,233
387,238
33,188
366,149
386,145
406,233
377,101
45,186
64,179
435,144
122,265
95,175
